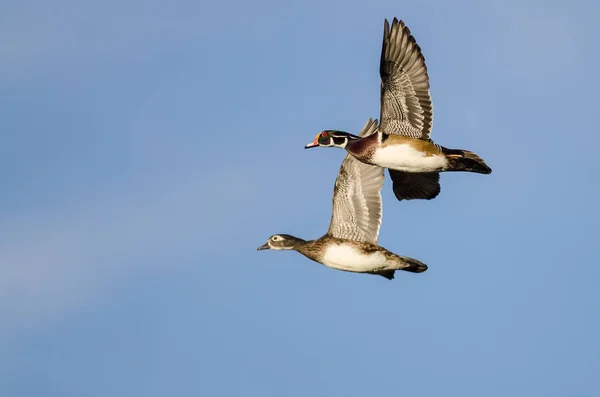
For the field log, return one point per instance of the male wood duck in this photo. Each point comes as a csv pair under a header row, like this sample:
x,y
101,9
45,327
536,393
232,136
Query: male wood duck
x,y
351,242
402,142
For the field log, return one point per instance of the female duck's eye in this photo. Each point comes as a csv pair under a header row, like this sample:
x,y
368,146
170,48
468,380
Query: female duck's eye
x,y
275,238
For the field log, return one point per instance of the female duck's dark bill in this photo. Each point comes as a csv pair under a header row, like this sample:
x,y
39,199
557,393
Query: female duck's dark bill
x,y
265,246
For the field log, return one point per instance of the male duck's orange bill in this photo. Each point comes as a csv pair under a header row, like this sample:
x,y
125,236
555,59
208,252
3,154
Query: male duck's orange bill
x,y
314,143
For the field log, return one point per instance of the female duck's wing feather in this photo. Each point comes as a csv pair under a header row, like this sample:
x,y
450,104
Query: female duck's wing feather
x,y
357,209
405,99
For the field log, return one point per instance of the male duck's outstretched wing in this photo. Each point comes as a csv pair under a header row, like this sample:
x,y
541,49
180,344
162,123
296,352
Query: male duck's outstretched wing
x,y
357,198
405,100
406,107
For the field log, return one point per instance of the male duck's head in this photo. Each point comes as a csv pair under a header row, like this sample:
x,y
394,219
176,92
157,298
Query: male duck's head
x,y
280,242
332,138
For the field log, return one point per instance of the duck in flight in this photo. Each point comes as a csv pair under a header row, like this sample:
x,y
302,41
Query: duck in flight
x,y
351,241
402,142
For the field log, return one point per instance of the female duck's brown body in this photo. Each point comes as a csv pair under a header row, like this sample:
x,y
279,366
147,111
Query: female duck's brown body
x,y
349,256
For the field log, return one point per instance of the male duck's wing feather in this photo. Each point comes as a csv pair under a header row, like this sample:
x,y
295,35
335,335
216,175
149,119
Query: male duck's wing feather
x,y
406,107
357,210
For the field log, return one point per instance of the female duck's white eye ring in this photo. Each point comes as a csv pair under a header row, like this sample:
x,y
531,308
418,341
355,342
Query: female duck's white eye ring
x,y
275,238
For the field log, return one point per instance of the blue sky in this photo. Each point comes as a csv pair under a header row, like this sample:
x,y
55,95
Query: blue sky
x,y
148,148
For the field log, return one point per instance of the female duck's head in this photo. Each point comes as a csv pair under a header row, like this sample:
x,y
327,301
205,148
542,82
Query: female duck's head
x,y
281,242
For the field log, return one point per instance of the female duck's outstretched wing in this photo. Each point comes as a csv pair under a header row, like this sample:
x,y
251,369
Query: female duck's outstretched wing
x,y
357,198
405,100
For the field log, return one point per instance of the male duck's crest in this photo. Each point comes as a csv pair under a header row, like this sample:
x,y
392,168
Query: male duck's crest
x,y
334,138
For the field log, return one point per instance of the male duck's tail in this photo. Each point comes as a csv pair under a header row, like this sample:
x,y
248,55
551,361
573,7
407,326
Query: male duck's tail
x,y
463,160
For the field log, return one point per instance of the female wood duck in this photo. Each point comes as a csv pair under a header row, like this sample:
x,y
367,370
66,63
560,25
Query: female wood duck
x,y
402,142
351,242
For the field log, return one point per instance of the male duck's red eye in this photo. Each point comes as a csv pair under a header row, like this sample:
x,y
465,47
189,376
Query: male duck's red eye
x,y
323,134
